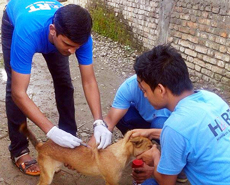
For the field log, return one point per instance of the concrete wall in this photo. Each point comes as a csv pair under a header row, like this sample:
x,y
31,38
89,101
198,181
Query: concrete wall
x,y
199,29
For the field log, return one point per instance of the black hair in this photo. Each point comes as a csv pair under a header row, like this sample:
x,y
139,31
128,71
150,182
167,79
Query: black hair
x,y
163,65
74,22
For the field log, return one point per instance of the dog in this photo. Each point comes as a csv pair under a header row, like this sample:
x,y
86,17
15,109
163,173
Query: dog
x,y
107,163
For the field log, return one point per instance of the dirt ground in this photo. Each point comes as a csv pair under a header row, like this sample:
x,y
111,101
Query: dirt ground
x,y
113,64
41,91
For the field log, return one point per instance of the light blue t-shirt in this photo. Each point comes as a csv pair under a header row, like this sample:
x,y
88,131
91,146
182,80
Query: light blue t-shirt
x,y
196,137
31,20
129,93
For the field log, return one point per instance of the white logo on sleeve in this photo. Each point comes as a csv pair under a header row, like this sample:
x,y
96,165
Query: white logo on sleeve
x,y
42,5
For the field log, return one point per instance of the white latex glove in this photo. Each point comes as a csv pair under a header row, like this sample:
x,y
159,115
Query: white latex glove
x,y
102,136
63,138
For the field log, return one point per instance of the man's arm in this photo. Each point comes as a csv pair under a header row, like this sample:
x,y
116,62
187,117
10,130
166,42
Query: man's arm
x,y
112,119
161,178
152,158
151,133
102,135
91,90
114,116
19,86
165,179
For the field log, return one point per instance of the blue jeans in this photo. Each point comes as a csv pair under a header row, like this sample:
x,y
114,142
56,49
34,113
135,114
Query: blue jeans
x,y
59,68
133,120
150,181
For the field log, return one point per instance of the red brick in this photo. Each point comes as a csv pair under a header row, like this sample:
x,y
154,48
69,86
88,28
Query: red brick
x,y
223,34
192,24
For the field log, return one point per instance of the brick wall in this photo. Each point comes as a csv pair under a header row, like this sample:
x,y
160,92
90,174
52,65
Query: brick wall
x,y
79,2
200,30
142,17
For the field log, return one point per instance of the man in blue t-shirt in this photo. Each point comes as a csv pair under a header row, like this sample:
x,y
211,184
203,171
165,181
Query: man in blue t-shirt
x,y
56,31
131,110
196,135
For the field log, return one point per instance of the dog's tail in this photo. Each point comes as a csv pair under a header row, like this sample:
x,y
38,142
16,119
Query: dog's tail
x,y
27,132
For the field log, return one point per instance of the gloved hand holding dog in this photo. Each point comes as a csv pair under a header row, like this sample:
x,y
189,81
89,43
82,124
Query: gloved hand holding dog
x,y
63,138
102,134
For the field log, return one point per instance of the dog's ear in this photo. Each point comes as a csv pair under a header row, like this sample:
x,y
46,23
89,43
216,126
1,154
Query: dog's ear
x,y
136,141
128,136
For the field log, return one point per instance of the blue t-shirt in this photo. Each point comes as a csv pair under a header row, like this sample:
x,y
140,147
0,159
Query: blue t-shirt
x,y
129,93
31,20
196,137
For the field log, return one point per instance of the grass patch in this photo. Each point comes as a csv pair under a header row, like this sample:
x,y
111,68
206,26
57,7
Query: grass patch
x,y
1,62
108,23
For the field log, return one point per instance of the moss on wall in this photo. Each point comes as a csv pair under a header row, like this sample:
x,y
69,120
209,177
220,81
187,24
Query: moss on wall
x,y
1,61
111,24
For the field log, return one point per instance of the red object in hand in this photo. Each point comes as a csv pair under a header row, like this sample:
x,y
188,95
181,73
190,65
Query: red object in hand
x,y
137,163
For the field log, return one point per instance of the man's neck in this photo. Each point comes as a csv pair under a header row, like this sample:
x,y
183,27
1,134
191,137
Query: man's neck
x,y
174,100
50,38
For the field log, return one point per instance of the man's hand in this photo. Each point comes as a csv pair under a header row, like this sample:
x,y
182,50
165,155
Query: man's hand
x,y
102,134
149,133
63,138
141,174
149,155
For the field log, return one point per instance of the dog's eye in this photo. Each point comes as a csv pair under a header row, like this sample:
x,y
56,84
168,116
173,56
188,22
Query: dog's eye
x,y
139,143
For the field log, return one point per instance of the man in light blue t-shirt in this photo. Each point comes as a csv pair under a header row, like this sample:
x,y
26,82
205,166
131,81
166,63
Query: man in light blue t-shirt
x,y
56,31
196,136
130,109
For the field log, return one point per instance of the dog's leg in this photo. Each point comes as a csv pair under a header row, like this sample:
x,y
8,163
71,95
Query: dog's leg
x,y
111,183
111,174
48,167
112,180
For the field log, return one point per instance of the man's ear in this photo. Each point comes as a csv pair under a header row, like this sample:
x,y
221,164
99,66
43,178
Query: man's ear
x,y
161,89
52,29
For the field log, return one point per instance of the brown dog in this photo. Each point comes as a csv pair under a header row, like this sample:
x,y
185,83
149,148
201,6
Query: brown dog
x,y
108,163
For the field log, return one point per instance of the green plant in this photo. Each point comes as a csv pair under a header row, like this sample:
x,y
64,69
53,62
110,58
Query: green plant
x,y
1,62
111,24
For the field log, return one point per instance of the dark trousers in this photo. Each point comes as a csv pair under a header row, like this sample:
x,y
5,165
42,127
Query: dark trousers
x,y
59,68
133,120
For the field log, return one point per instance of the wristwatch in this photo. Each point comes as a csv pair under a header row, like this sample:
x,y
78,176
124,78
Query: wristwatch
x,y
100,122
